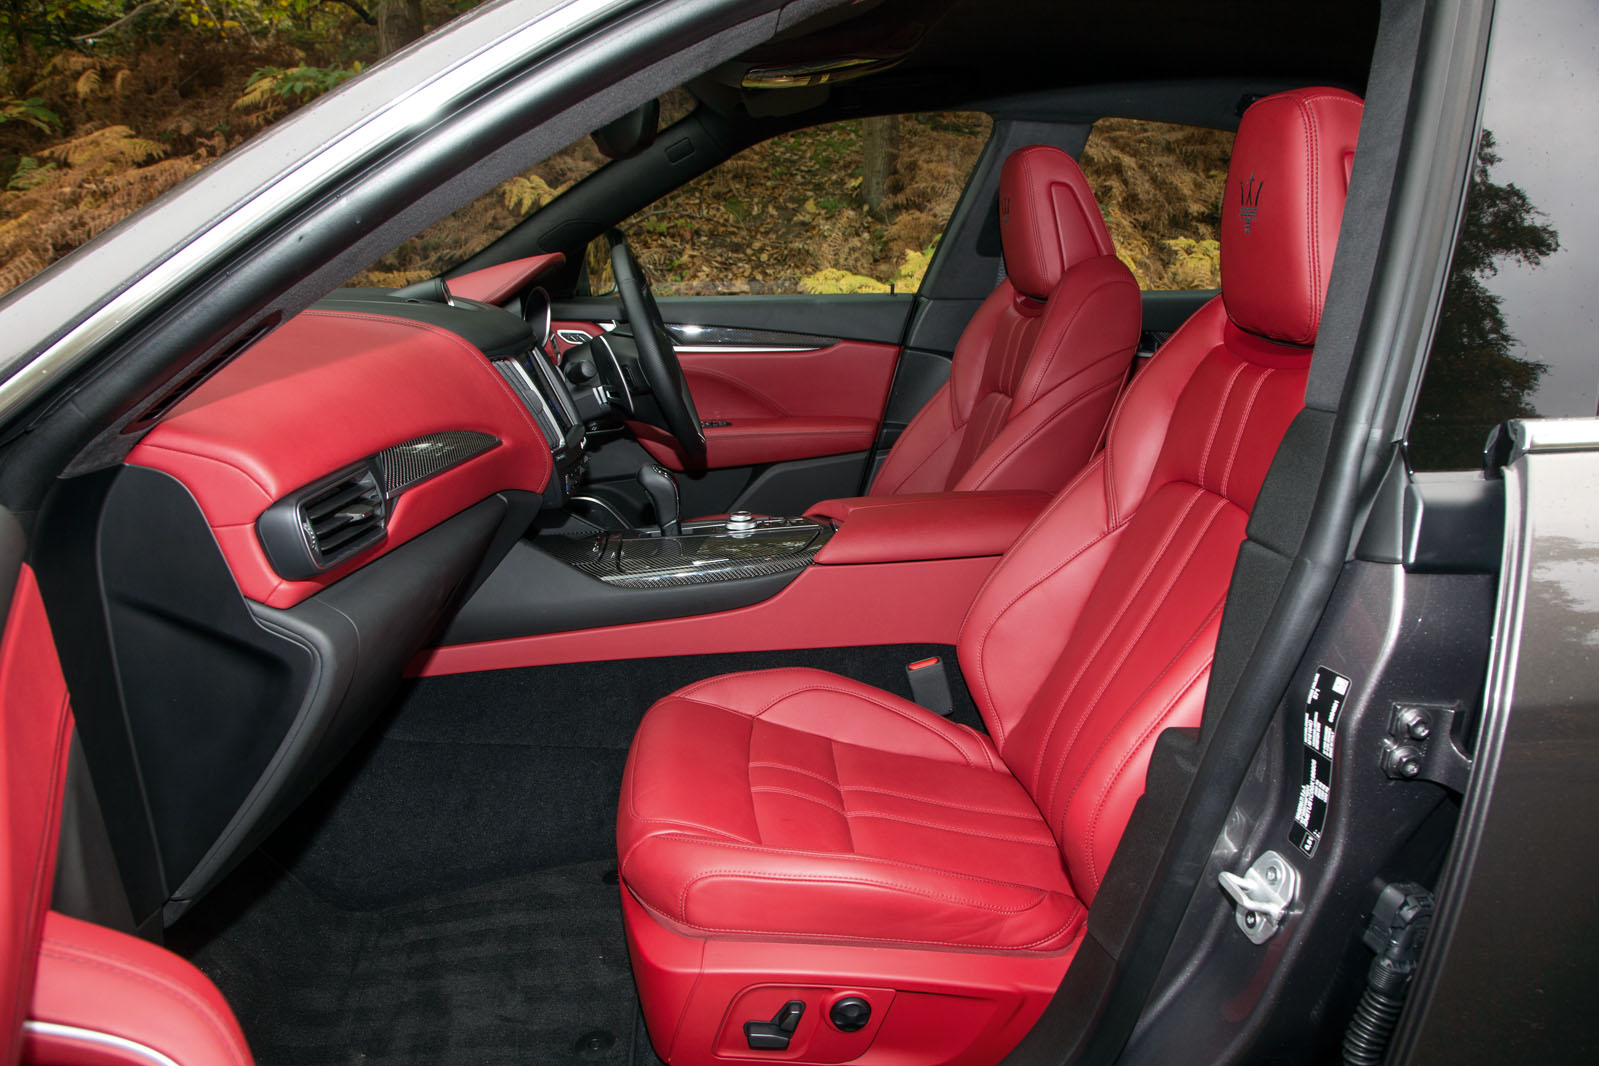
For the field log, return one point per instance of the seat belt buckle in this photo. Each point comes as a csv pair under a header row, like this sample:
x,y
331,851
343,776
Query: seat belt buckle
x,y
930,685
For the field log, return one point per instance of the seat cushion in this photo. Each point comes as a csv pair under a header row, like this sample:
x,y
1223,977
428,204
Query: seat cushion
x,y
797,803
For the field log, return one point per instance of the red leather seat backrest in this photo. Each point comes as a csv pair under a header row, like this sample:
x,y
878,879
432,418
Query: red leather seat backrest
x,y
1097,629
1038,367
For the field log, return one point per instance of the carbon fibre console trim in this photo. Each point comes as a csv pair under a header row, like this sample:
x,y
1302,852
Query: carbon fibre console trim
x,y
407,465
706,553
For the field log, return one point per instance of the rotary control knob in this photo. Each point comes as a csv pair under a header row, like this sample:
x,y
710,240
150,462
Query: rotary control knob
x,y
741,522
850,1014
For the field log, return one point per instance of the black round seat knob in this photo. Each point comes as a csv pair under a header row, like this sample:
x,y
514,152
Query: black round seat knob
x,y
850,1014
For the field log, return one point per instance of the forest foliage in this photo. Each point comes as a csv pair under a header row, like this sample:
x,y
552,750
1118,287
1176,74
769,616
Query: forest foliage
x,y
106,104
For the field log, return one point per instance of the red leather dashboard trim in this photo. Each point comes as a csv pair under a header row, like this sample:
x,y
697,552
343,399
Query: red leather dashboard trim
x,y
104,982
500,282
325,390
934,525
35,731
783,405
825,607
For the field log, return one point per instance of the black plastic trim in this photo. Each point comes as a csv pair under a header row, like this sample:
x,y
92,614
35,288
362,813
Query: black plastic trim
x,y
356,635
495,332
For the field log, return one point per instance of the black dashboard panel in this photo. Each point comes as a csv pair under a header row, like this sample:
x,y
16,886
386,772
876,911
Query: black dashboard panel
x,y
491,330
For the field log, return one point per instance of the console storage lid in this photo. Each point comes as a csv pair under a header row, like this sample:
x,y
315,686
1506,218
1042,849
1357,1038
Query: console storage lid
x,y
933,525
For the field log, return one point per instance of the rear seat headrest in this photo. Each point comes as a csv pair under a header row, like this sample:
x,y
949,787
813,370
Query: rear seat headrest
x,y
1285,195
1048,219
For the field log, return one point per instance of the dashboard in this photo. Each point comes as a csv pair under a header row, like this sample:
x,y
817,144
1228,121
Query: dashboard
x,y
378,489
247,588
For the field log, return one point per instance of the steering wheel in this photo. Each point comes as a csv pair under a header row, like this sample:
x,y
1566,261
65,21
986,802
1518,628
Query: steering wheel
x,y
656,356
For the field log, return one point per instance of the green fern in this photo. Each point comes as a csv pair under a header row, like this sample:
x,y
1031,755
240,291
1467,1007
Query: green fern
x,y
31,111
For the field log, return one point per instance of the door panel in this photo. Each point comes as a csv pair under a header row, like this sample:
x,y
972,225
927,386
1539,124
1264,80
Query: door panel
x,y
800,381
35,730
773,406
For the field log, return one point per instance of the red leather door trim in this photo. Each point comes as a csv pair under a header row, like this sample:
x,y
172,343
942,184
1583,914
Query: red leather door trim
x,y
783,405
35,731
101,982
825,607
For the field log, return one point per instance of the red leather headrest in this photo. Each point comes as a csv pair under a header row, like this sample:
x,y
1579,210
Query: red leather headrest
x,y
1048,219
1279,219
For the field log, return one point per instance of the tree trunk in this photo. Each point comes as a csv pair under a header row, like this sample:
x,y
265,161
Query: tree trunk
x,y
399,23
879,161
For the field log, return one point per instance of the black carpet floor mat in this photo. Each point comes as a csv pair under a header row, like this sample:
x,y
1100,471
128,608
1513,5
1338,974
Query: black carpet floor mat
x,y
528,970
448,896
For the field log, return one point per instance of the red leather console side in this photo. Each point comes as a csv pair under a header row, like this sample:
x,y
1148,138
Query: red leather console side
x,y
825,607
103,997
783,405
325,390
938,525
498,283
35,731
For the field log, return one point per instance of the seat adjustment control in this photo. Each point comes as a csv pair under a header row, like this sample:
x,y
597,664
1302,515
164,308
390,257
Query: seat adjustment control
x,y
775,1034
850,1014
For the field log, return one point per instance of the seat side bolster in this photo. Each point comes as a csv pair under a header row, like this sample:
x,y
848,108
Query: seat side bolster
x,y
1014,631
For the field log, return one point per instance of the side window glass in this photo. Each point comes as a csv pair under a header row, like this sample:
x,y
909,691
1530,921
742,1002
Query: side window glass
x,y
849,207
474,227
1160,188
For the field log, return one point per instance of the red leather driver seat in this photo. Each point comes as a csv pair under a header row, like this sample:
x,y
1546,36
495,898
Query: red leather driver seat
x,y
790,836
1036,370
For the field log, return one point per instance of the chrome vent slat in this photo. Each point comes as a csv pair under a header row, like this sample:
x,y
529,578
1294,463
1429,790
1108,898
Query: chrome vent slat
x,y
344,517
322,508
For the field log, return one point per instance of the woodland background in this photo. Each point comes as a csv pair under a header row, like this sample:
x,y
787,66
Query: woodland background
x,y
106,104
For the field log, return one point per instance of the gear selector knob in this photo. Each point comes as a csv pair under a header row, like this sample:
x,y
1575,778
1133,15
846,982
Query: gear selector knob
x,y
662,488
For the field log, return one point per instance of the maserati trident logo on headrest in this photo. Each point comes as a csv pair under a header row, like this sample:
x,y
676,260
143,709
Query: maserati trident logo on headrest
x,y
1249,200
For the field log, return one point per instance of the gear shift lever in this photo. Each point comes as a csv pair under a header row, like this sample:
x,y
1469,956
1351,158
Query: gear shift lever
x,y
662,488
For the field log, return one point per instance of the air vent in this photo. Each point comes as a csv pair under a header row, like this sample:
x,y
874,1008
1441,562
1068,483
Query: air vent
x,y
343,518
324,524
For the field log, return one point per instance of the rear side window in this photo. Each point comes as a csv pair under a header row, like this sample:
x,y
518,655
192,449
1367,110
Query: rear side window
x,y
1160,188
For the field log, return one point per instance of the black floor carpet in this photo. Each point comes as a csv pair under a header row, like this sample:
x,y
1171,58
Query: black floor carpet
x,y
448,896
529,970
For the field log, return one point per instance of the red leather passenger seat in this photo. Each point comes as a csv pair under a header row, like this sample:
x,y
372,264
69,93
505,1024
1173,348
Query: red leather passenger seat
x,y
791,836
1036,370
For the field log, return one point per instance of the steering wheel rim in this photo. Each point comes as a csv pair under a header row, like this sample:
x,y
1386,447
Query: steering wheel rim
x,y
656,354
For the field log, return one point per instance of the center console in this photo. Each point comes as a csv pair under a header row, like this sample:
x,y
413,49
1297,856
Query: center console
x,y
704,552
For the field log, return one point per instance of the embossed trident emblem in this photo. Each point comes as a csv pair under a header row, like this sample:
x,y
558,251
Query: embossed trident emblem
x,y
1249,201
